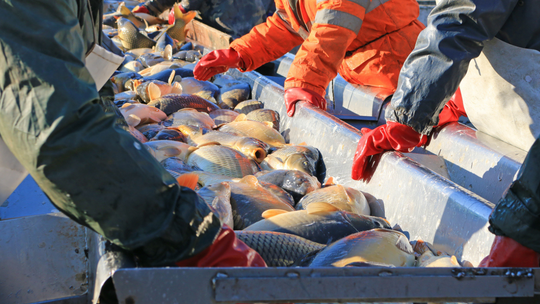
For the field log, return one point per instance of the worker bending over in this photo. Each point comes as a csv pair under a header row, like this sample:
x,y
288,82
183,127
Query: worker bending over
x,y
98,174
365,41
495,45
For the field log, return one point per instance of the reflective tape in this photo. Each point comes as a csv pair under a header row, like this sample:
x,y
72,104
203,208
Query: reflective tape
x,y
369,5
282,14
339,18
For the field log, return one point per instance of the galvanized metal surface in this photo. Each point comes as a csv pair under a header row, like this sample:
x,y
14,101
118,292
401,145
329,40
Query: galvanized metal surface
x,y
28,199
41,258
207,36
233,285
425,204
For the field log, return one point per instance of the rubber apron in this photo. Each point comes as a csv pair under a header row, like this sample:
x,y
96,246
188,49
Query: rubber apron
x,y
501,93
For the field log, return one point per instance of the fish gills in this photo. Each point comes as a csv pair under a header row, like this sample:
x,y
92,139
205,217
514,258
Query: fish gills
x,y
278,249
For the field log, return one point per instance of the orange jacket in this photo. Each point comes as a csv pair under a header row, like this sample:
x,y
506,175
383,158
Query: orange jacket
x,y
366,40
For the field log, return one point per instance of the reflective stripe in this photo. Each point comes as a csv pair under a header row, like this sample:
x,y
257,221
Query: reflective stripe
x,y
339,18
369,5
282,14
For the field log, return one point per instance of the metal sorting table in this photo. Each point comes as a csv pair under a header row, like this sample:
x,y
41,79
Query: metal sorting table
x,y
434,194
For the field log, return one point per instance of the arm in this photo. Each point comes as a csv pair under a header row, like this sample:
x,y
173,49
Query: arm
x,y
266,42
94,172
334,28
455,34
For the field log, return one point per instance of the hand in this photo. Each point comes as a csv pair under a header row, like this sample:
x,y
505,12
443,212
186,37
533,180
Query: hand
x,y
294,95
225,251
216,62
452,110
390,137
505,252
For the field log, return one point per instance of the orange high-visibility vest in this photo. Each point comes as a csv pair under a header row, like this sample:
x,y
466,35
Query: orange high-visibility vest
x,y
366,41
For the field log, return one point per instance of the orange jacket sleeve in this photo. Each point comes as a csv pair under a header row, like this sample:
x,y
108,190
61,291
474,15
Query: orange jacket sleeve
x,y
266,42
336,25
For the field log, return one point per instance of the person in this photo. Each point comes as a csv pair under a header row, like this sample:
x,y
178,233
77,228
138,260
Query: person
x,y
95,172
427,95
234,17
366,41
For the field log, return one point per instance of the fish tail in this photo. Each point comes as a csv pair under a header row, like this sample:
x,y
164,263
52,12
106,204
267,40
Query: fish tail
x,y
188,180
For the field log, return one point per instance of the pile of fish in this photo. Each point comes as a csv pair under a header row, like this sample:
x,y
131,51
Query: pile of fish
x,y
216,140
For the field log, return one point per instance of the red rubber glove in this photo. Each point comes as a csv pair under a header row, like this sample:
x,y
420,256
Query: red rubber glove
x,y
226,251
294,95
216,62
453,110
141,9
505,252
391,136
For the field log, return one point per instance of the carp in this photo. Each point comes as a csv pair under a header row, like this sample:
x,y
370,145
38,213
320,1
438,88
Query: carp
x,y
343,198
262,115
247,106
301,158
162,149
171,103
320,222
221,160
131,37
204,89
383,246
232,91
249,199
138,114
221,116
150,130
153,89
218,197
296,183
255,129
278,249
250,147
177,30
191,117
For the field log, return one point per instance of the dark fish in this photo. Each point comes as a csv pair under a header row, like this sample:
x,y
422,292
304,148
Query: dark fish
x,y
150,59
189,55
247,106
249,199
222,116
162,41
278,249
232,91
150,130
384,246
296,183
170,134
171,103
131,37
165,74
302,158
204,89
120,79
321,223
177,165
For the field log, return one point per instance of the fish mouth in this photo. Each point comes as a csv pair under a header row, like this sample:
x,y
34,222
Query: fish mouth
x,y
258,155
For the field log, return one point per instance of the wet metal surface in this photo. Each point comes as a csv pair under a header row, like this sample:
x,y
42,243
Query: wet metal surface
x,y
28,199
41,258
233,285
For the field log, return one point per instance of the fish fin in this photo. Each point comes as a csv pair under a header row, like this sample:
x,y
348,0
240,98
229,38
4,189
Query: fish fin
x,y
171,77
176,88
189,180
153,91
122,9
454,260
466,263
210,143
403,244
250,180
167,53
272,212
241,117
302,144
127,104
321,208
146,24
190,150
329,182
268,124
133,120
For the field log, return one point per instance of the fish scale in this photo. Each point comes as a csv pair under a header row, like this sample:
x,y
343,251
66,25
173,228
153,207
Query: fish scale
x,y
221,160
278,249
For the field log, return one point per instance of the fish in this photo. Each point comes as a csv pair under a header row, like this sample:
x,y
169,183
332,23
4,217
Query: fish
x,y
278,192
188,55
150,59
384,246
262,115
122,11
162,149
430,258
251,147
221,116
166,74
170,134
255,129
171,103
296,183
151,20
150,130
302,158
153,89
177,30
342,197
137,134
126,95
190,117
218,197
138,114
221,160
278,249
232,91
204,89
138,52
192,132
207,178
320,222
120,79
132,66
246,106
131,37
177,165
249,199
